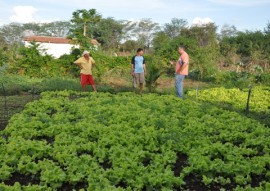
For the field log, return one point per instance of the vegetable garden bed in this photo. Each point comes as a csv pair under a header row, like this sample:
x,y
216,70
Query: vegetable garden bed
x,y
99,141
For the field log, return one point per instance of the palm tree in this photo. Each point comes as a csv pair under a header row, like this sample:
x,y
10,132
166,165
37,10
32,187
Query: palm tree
x,y
154,71
85,16
79,18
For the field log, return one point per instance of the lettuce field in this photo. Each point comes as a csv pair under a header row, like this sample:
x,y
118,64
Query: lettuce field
x,y
236,99
99,141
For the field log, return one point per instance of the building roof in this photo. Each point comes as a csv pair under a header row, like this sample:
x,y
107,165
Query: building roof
x,y
55,40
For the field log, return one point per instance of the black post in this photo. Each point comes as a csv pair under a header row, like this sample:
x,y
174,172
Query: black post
x,y
249,93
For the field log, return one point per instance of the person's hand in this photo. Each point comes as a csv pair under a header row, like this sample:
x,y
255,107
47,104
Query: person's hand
x,y
132,73
172,62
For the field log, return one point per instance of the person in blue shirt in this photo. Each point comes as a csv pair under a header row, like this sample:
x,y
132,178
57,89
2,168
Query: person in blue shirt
x,y
138,70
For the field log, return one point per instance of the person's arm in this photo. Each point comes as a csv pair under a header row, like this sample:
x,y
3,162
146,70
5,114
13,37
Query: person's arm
x,y
132,66
132,69
173,62
144,68
78,63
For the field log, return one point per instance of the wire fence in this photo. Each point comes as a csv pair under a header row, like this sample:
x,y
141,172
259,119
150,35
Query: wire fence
x,y
12,104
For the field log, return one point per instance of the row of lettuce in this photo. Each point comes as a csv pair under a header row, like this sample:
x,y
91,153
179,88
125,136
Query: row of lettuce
x,y
125,142
235,99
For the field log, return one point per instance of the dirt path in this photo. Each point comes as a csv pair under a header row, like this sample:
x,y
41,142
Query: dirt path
x,y
163,83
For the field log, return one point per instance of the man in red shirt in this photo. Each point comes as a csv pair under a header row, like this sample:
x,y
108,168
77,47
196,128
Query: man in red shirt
x,y
181,70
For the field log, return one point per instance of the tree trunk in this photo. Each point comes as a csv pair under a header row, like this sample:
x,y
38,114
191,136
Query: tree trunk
x,y
84,28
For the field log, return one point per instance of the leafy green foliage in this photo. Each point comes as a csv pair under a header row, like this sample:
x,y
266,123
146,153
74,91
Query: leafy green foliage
x,y
252,48
155,68
3,57
174,28
83,20
108,32
235,99
32,62
200,43
119,142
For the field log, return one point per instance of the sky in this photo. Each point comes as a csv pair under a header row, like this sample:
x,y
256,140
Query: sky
x,y
244,14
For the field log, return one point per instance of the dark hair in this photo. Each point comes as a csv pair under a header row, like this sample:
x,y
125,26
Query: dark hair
x,y
139,50
182,47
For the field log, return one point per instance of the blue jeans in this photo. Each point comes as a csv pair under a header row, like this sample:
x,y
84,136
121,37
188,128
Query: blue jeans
x,y
179,85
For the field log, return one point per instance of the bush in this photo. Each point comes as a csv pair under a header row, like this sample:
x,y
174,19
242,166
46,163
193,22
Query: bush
x,y
263,78
155,69
233,79
106,63
240,80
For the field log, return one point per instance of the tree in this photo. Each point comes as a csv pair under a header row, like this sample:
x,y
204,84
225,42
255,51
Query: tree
x,y
228,31
249,41
84,16
12,33
31,61
127,31
130,46
144,32
173,29
3,43
252,48
201,45
267,28
108,32
229,51
3,57
57,29
160,40
205,34
34,28
82,19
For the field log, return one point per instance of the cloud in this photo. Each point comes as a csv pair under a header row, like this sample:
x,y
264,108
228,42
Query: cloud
x,y
23,14
197,21
245,3
132,5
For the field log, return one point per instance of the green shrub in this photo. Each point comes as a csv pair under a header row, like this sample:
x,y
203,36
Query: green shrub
x,y
154,69
233,79
263,78
106,63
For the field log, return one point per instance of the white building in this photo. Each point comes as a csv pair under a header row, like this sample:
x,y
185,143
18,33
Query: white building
x,y
55,46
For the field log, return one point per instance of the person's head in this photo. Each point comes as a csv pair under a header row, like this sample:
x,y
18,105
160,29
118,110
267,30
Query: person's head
x,y
181,49
140,51
86,54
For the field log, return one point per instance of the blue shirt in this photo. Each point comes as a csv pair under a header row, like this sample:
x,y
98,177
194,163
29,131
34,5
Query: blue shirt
x,y
138,62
